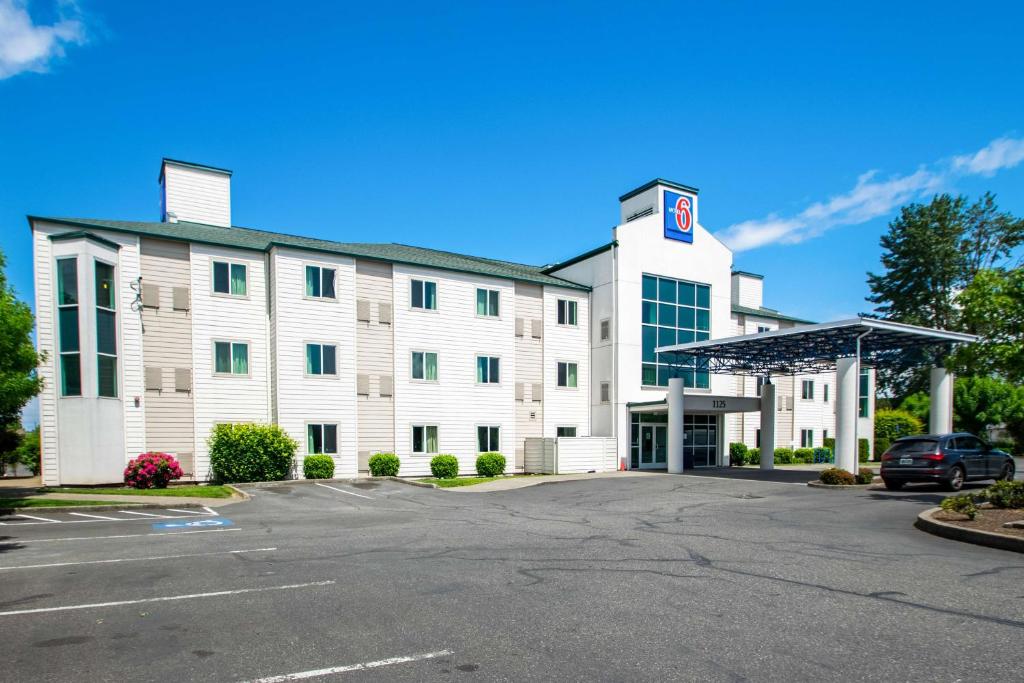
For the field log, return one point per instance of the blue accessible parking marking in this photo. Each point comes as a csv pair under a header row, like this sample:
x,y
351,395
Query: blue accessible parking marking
x,y
192,524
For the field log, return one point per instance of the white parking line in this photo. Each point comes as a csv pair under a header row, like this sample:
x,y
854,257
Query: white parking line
x,y
109,519
169,598
93,538
143,514
351,667
42,519
344,491
137,559
191,512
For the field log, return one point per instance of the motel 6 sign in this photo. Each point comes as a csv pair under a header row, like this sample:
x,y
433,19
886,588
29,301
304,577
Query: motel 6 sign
x,y
679,210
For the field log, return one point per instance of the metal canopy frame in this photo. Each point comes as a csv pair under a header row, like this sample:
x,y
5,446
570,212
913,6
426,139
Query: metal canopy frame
x,y
810,349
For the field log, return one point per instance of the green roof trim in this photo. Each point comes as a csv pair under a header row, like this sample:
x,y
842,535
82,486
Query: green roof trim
x,y
189,164
582,257
768,313
645,404
84,234
748,274
264,241
658,181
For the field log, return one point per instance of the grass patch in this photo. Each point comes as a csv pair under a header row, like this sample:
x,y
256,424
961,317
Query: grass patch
x,y
8,503
469,481
190,491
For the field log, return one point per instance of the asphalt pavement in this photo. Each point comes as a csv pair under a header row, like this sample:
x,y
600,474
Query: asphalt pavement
x,y
657,577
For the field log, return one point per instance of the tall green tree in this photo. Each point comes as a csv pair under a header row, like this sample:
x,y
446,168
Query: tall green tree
x,y
18,358
992,307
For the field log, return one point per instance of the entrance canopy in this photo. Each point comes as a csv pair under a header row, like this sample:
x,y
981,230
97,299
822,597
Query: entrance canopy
x,y
816,348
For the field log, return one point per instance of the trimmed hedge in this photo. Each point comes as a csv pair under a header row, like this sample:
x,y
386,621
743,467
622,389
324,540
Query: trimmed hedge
x,y
836,477
804,455
384,465
754,456
864,475
444,466
783,456
318,467
829,443
864,452
250,452
1004,494
738,453
490,464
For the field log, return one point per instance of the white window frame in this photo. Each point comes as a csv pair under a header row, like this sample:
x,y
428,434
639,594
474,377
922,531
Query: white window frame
x,y
437,294
412,438
233,343
804,433
117,330
570,304
567,363
232,262
804,384
488,427
476,364
320,267
824,392
337,440
321,344
495,316
437,361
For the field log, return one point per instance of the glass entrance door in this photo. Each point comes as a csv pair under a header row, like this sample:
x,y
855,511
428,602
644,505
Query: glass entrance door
x,y
701,439
653,446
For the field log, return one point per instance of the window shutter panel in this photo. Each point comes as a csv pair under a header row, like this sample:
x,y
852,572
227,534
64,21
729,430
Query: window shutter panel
x,y
150,295
384,313
537,392
363,310
537,328
154,379
387,385
520,391
181,298
183,379
363,385
520,325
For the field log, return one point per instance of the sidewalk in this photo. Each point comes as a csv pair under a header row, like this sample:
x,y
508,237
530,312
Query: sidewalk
x,y
522,482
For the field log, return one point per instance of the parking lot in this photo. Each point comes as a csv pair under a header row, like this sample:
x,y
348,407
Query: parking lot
x,y
637,578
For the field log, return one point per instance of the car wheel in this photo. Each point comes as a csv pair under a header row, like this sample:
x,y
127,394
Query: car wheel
x,y
955,482
892,485
1007,473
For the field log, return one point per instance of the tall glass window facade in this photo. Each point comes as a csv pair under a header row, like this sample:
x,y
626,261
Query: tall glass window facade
x,y
106,331
863,397
673,312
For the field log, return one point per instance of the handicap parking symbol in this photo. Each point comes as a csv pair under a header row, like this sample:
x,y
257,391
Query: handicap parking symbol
x,y
193,524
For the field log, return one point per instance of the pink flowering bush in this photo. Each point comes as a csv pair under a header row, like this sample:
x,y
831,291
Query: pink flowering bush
x,y
152,471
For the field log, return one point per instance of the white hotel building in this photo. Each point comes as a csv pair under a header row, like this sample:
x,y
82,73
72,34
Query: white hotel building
x,y
154,332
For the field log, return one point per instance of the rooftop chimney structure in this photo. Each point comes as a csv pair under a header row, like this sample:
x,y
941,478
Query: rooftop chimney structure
x,y
194,193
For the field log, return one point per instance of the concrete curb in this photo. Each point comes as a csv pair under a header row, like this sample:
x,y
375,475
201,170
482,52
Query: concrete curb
x,y
98,508
926,522
821,485
345,480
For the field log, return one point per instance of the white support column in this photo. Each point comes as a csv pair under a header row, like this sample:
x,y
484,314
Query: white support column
x,y
675,425
768,427
940,417
846,413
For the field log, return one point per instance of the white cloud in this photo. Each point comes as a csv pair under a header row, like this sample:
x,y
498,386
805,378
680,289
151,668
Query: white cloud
x,y
25,46
870,198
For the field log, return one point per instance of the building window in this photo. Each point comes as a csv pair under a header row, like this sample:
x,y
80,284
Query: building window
x,y
424,366
606,392
321,359
567,312
757,438
67,325
106,331
321,439
230,358
567,375
807,389
424,439
806,438
229,278
865,386
824,435
566,431
320,282
824,392
424,295
488,439
763,328
606,329
487,301
759,383
673,312
488,370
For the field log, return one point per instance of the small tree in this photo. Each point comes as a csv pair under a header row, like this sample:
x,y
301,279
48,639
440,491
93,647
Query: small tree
x,y
18,362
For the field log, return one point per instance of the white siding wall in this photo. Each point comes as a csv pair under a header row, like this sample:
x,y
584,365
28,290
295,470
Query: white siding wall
x,y
455,403
46,342
197,195
303,399
747,290
566,406
218,317
375,358
129,352
529,306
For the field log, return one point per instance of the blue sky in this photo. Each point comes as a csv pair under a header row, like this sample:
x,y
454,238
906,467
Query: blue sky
x,y
510,129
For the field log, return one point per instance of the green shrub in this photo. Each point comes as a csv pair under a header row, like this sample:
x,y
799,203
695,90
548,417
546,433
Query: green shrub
x,y
963,504
893,424
864,451
805,455
250,452
829,443
864,475
738,453
754,456
490,464
318,467
823,455
384,464
783,456
1005,494
444,466
837,477
881,446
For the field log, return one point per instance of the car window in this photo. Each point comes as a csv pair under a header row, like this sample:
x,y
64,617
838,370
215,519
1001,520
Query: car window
x,y
968,443
914,446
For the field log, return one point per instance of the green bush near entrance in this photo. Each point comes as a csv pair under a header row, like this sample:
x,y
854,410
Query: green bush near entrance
x,y
783,456
250,452
829,443
738,454
318,467
754,456
803,455
490,464
444,466
384,465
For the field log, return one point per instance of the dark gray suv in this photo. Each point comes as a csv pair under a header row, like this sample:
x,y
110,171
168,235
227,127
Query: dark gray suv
x,y
946,459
